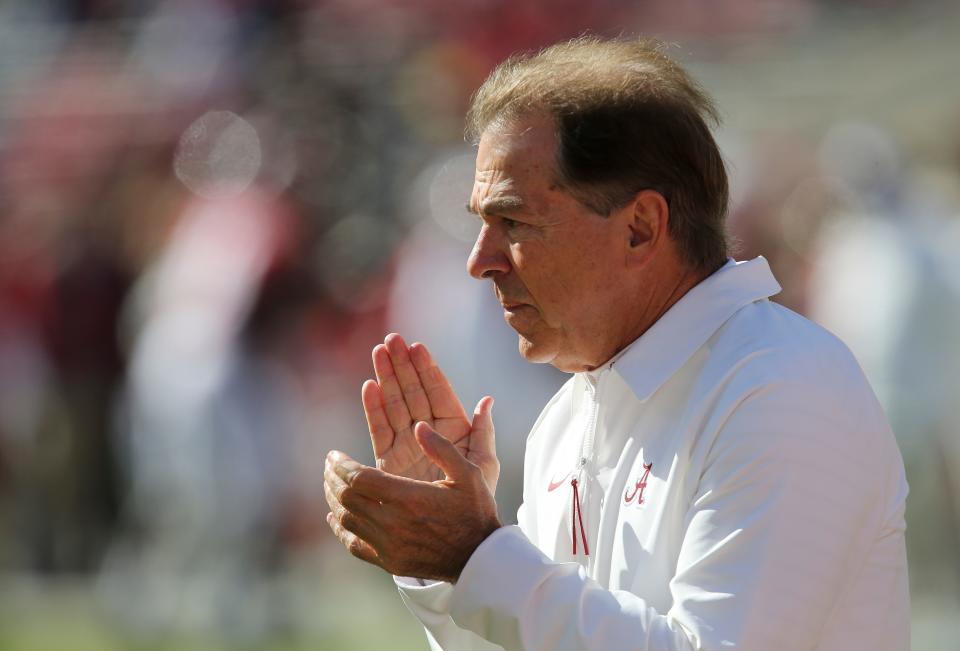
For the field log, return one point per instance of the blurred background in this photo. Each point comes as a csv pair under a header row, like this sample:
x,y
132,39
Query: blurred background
x,y
210,211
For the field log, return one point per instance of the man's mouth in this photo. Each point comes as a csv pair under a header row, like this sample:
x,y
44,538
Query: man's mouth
x,y
511,304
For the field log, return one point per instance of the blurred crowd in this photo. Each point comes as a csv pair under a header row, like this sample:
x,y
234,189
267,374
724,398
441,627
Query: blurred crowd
x,y
211,211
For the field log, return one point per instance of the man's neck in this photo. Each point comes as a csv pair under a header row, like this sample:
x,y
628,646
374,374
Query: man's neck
x,y
658,305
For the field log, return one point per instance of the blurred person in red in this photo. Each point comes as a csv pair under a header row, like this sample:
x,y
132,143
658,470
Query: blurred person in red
x,y
717,472
63,281
208,424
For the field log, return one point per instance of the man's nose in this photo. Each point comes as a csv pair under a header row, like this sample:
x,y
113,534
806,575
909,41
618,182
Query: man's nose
x,y
488,256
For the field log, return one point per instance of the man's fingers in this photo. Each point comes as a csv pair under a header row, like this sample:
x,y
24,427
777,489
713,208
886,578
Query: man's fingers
x,y
341,492
354,544
381,433
353,520
412,388
443,399
393,403
442,452
370,483
482,438
483,447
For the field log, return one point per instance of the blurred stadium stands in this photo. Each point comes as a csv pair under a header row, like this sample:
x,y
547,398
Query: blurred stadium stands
x,y
211,210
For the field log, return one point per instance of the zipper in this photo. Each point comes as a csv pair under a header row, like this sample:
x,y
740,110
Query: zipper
x,y
586,444
586,452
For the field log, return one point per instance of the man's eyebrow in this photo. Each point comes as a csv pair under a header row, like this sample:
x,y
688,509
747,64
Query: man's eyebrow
x,y
498,206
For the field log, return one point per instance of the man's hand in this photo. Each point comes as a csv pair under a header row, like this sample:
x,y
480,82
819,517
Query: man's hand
x,y
412,528
411,388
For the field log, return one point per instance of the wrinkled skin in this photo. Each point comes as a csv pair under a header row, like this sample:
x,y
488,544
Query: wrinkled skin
x,y
430,501
410,388
409,527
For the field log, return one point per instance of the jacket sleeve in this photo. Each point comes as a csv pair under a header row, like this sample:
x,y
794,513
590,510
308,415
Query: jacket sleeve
x,y
429,601
778,521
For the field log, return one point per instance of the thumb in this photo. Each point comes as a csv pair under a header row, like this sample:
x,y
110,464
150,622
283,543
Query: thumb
x,y
482,440
442,452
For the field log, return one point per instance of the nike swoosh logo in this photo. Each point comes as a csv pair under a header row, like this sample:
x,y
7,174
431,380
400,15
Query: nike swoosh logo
x,y
552,486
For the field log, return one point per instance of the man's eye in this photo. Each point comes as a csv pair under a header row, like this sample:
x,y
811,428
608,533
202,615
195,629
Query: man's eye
x,y
510,223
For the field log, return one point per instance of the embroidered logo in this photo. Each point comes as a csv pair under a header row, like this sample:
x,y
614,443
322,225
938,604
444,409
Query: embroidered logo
x,y
639,487
554,485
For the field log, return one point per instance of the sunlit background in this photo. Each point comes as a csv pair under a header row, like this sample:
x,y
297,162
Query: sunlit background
x,y
210,211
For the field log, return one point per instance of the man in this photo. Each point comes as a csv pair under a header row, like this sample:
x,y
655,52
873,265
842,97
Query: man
x,y
716,474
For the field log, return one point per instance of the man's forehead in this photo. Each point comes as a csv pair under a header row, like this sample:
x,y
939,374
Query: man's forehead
x,y
513,159
489,184
513,152
494,192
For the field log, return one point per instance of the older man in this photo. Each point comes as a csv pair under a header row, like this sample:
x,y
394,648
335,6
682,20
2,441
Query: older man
x,y
716,473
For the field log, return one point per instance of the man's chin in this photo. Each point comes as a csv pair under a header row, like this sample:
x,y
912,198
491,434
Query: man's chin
x,y
536,352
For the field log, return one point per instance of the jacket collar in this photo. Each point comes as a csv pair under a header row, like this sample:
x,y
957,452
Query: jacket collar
x,y
647,363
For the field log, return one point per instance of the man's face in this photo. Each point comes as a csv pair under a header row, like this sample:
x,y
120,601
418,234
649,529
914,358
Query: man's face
x,y
557,266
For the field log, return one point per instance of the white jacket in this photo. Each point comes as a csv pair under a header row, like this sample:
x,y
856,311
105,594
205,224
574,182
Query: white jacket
x,y
738,488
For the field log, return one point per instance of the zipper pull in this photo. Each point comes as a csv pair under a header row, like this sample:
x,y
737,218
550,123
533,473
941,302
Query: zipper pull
x,y
576,515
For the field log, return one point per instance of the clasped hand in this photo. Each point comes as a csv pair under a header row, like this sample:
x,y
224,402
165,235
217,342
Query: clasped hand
x,y
429,502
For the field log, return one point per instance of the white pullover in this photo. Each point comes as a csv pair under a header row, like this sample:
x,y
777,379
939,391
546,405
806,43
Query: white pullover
x,y
737,487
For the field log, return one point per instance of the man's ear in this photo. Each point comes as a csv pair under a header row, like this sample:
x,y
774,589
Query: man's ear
x,y
647,224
